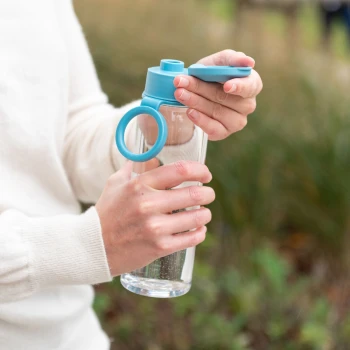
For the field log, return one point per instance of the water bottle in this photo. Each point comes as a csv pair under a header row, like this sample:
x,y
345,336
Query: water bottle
x,y
161,133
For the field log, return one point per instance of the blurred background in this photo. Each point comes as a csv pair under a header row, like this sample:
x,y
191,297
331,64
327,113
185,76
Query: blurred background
x,y
274,270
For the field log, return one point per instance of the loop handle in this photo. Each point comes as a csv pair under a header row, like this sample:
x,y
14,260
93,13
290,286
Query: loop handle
x,y
157,147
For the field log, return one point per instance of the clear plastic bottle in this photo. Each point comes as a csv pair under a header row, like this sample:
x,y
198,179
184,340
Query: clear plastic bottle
x,y
161,133
169,276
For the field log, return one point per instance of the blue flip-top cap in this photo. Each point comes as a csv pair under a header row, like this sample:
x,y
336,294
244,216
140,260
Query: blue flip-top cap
x,y
160,90
160,80
219,74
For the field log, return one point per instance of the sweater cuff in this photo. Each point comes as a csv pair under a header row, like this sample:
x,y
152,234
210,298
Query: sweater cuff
x,y
67,250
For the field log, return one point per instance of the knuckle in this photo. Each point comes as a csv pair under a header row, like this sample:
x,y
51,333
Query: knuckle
x,y
194,100
252,92
162,247
195,194
240,89
217,110
224,134
227,53
193,241
182,168
152,227
197,238
242,123
251,105
258,81
213,133
221,95
221,58
144,207
201,217
135,185
196,85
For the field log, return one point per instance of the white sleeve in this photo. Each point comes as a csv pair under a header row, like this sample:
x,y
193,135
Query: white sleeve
x,y
41,252
90,154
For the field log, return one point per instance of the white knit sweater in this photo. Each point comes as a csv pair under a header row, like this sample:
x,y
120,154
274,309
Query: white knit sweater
x,y
56,147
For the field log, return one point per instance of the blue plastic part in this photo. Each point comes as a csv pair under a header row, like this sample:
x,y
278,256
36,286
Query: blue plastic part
x,y
218,74
160,89
158,146
160,80
172,66
155,103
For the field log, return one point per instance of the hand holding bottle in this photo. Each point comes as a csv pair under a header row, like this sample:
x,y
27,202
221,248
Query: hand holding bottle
x,y
135,214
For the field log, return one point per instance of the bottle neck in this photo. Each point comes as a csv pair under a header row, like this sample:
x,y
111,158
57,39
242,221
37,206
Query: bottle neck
x,y
156,103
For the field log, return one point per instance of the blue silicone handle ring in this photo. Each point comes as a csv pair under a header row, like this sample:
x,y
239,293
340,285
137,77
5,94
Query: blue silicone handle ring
x,y
161,140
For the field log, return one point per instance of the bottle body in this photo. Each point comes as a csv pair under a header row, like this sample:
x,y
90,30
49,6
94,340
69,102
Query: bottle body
x,y
169,276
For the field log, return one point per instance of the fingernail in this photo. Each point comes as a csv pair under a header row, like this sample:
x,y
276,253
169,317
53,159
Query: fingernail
x,y
183,82
233,88
193,113
185,95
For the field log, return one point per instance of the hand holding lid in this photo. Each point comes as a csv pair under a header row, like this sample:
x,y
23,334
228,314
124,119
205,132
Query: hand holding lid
x,y
159,90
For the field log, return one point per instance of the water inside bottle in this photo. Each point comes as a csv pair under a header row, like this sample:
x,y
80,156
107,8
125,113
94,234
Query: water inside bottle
x,y
169,276
166,277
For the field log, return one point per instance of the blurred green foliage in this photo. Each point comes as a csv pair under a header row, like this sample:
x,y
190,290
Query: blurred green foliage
x,y
273,272
309,23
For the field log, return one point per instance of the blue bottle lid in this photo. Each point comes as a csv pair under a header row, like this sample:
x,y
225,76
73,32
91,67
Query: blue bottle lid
x,y
160,90
160,81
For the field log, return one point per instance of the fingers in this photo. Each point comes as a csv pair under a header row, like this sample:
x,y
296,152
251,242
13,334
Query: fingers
x,y
167,202
211,91
216,129
169,224
228,58
231,94
174,243
230,119
206,97
174,174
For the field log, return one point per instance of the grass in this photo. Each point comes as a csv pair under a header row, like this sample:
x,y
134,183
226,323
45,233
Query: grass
x,y
273,272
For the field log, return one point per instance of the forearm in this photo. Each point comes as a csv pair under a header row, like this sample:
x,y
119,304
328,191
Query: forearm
x,y
36,253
